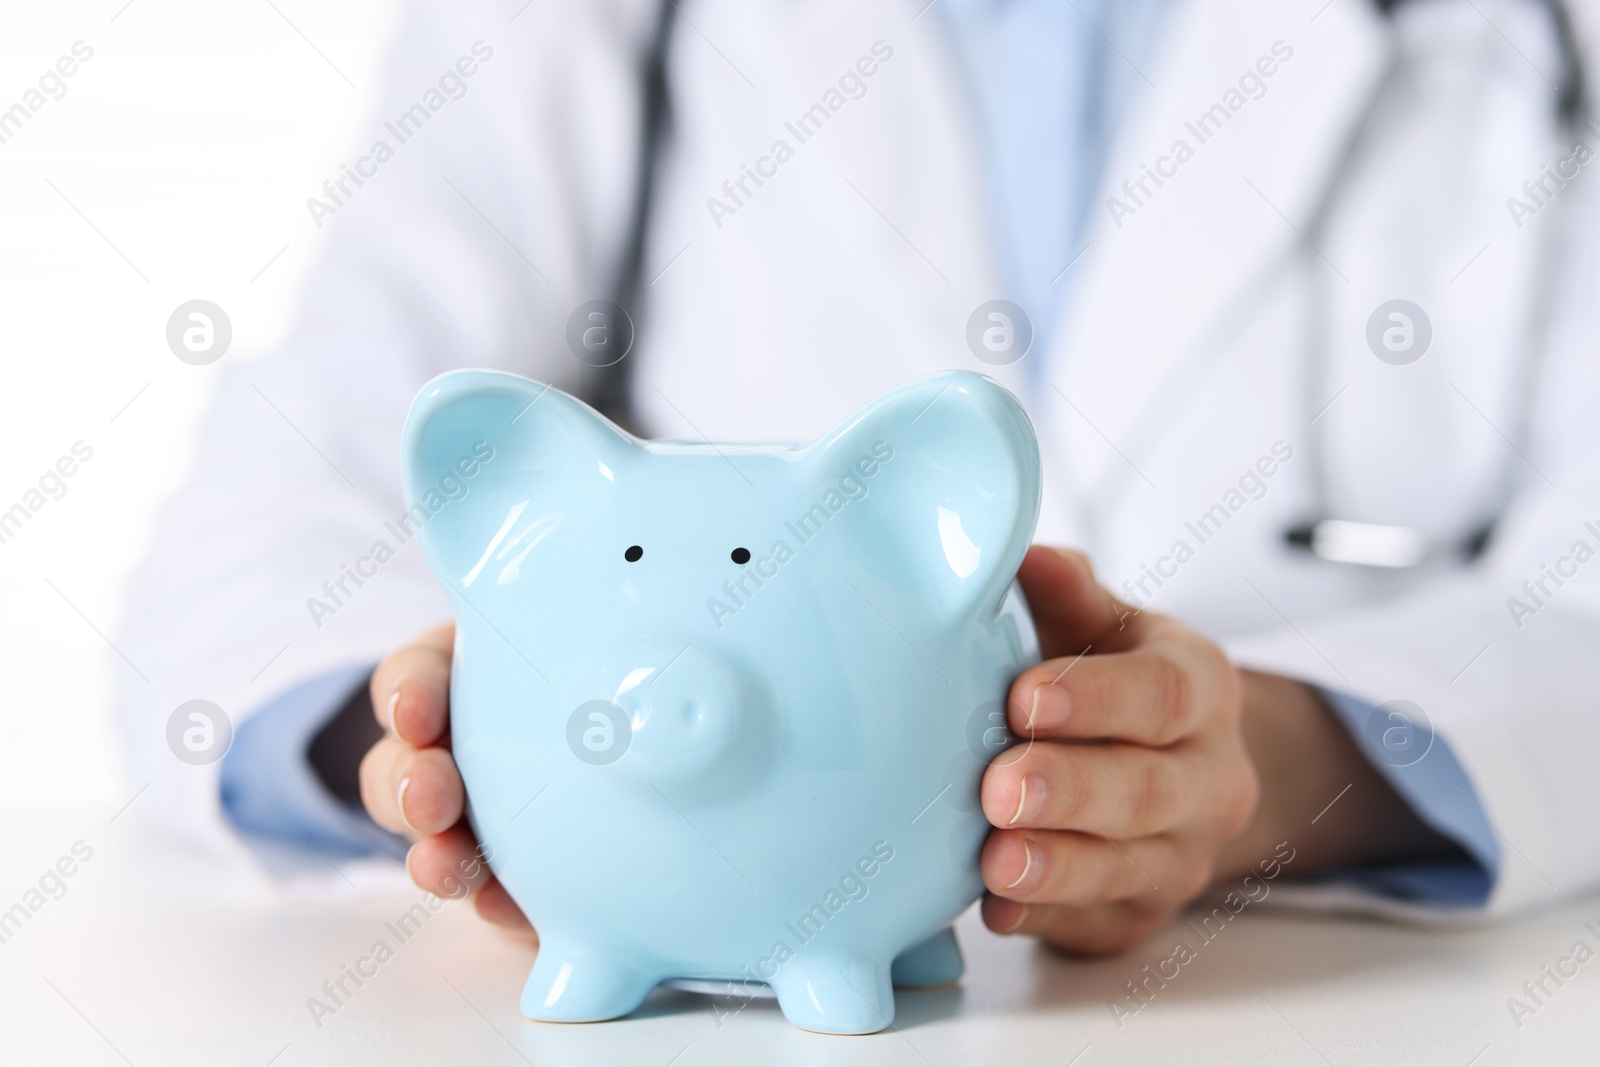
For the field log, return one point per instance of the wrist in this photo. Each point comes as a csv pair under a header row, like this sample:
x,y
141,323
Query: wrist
x,y
1319,793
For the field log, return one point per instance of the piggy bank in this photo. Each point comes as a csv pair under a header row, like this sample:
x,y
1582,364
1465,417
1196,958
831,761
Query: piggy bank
x,y
722,709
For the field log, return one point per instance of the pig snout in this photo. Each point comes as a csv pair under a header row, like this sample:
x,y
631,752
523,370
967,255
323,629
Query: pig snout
x,y
695,715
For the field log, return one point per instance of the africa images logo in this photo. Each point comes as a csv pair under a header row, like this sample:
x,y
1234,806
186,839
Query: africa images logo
x,y
451,86
453,485
852,485
851,85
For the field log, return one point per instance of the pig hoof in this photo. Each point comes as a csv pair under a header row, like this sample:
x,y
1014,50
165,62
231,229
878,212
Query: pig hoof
x,y
837,996
936,961
575,986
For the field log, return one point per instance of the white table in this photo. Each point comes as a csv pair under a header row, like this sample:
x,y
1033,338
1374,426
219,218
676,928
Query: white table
x,y
152,957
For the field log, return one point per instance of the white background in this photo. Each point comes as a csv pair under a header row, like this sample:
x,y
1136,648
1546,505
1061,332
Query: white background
x,y
190,142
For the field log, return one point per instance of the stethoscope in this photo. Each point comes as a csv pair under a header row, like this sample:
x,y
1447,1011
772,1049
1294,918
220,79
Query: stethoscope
x,y
1323,535
1326,537
612,394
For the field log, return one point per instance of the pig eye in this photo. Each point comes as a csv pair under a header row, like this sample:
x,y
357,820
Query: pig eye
x,y
741,556
633,554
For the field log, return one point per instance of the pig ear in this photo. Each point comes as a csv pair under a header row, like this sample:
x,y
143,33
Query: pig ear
x,y
955,480
479,443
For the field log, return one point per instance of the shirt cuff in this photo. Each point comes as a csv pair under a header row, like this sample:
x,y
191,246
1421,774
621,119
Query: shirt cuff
x,y
273,797
1420,766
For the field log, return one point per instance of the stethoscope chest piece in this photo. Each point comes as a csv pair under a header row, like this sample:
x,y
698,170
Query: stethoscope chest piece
x,y
1371,544
1364,544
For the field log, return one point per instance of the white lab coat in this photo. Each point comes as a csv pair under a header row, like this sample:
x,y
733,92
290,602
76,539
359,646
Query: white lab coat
x,y
1181,361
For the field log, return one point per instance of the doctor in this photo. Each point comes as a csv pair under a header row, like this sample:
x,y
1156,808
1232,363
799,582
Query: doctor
x,y
1299,295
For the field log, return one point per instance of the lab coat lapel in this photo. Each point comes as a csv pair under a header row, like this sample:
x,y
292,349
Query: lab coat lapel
x,y
1169,262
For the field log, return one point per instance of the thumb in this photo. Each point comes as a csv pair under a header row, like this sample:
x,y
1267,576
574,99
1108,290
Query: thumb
x,y
1070,609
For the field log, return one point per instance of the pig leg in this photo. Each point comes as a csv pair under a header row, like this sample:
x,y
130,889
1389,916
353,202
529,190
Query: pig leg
x,y
574,984
835,994
935,961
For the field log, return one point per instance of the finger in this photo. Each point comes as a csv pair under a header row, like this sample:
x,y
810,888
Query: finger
x,y
411,789
1071,611
1114,790
1064,867
1098,930
495,905
1155,694
411,688
449,864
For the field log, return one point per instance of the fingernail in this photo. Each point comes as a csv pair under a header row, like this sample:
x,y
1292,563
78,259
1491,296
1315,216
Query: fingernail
x,y
1051,705
1027,865
1030,799
394,703
405,784
1016,923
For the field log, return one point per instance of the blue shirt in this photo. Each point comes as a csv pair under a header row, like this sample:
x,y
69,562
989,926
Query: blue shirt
x,y
1050,82
271,793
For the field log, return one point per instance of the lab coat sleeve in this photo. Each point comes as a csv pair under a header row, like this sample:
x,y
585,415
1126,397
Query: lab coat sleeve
x,y
1500,657
288,555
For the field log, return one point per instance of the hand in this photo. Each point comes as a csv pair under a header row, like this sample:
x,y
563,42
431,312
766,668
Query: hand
x,y
1134,774
410,784
1154,768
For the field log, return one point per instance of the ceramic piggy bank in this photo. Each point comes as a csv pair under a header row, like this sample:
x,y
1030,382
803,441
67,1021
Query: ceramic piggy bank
x,y
722,710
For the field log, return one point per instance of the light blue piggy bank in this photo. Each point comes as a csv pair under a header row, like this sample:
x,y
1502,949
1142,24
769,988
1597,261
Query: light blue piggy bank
x,y
722,710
